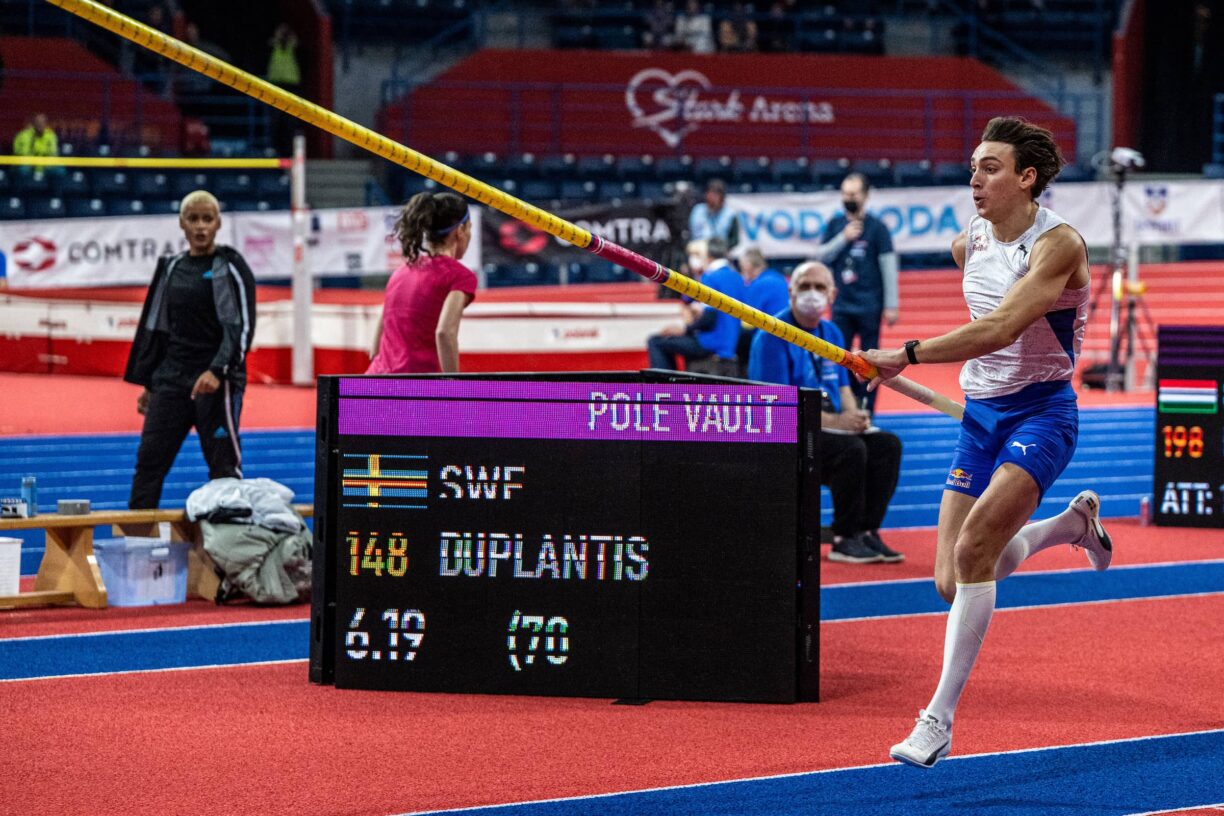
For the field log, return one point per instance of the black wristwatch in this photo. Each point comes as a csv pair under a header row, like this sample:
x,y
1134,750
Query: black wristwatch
x,y
910,345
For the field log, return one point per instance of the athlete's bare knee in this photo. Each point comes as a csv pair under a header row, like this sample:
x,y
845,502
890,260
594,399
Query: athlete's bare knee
x,y
947,588
974,557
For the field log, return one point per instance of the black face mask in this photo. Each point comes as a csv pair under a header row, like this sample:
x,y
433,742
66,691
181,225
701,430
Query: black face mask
x,y
850,206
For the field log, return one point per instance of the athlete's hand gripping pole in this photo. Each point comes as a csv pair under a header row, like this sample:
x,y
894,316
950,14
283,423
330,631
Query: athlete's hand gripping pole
x,y
363,137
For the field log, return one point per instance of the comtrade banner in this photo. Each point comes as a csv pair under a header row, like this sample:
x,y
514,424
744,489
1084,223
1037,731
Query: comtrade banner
x,y
73,252
927,219
816,105
656,231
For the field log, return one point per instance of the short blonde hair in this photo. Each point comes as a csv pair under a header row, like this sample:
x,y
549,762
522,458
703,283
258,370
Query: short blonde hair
x,y
199,197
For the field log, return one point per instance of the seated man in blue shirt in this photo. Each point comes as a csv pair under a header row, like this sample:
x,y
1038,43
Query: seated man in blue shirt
x,y
766,290
709,332
859,463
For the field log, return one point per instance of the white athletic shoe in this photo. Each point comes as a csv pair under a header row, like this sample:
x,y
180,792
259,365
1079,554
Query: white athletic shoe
x,y
929,742
1096,542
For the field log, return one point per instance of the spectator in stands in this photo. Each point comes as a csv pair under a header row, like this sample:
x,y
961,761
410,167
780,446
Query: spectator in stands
x,y
37,139
776,29
859,463
194,83
765,290
283,70
858,248
712,218
660,30
190,353
695,29
418,332
706,332
737,31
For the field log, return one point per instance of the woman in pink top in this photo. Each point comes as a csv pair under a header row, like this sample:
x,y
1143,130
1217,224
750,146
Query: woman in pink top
x,y
419,329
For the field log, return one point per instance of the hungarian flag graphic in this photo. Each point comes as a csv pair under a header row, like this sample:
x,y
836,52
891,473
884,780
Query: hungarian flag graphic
x,y
1188,397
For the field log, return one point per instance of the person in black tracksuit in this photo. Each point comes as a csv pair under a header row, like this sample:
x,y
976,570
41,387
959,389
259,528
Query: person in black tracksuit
x,y
190,353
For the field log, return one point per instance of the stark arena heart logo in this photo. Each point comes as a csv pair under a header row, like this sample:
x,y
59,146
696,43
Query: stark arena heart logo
x,y
657,99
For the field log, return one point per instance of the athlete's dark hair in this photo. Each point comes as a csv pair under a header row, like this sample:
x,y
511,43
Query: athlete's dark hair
x,y
1034,147
428,217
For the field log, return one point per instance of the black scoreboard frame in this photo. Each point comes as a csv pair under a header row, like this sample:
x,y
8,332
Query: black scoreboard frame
x,y
1188,449
685,620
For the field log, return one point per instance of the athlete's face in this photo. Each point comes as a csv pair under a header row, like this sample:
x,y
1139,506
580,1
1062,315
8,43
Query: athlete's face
x,y
998,188
200,222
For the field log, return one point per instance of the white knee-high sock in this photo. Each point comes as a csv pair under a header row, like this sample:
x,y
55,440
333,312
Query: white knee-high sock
x,y
967,623
1065,528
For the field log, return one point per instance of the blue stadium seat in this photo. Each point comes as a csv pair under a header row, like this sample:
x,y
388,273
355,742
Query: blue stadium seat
x,y
951,174
28,182
75,184
596,168
275,185
674,168
539,190
913,174
521,165
52,207
652,190
710,167
1215,170
578,190
792,171
878,173
151,185
162,206
86,207
230,186
829,173
617,189
126,206
1077,172
112,184
752,170
12,207
183,183
635,168
558,167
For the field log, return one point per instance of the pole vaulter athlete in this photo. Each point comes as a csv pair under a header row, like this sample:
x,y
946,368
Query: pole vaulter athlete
x,y
1026,284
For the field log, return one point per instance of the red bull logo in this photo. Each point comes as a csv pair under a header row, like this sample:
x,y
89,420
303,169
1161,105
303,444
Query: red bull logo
x,y
958,477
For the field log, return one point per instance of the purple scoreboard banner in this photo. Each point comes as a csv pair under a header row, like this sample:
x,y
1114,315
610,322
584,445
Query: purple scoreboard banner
x,y
373,406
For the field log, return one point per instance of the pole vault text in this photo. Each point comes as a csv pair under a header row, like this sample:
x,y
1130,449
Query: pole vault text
x,y
699,413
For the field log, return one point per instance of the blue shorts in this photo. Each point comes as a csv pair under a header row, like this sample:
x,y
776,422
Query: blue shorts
x,y
1035,429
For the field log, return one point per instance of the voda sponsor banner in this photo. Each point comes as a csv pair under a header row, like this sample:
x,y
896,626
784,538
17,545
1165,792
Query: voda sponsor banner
x,y
123,251
928,219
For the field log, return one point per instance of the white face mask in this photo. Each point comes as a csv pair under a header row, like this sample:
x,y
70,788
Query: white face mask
x,y
811,304
696,262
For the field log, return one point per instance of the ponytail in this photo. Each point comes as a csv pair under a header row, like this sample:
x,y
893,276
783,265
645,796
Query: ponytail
x,y
427,219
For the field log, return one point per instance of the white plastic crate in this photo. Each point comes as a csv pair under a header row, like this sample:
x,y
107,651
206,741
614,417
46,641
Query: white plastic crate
x,y
10,566
143,571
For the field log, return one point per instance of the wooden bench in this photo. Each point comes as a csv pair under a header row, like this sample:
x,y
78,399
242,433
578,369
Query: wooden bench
x,y
69,570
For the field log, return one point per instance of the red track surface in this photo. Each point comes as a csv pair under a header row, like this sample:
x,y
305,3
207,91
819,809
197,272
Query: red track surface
x,y
262,739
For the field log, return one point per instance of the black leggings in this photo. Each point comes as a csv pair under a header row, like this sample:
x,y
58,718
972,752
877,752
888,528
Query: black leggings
x,y
861,472
170,417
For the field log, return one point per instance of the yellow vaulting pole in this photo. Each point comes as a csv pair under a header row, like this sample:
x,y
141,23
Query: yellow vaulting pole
x,y
393,151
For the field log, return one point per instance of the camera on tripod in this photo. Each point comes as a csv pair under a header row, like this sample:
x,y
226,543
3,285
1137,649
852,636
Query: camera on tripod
x,y
1123,159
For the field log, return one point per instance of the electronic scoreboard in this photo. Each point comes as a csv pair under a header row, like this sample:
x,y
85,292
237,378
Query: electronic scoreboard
x,y
651,535
1188,479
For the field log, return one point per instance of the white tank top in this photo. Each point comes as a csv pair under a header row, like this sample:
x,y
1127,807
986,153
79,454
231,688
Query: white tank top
x,y
1048,348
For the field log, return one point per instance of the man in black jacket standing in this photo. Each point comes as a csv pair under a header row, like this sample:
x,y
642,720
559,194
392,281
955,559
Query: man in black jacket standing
x,y
190,353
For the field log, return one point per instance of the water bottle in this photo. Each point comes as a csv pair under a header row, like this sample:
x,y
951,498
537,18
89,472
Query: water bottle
x,y
1145,511
29,494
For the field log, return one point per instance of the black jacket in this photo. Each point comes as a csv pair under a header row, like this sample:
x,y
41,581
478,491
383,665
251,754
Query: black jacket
x,y
233,287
